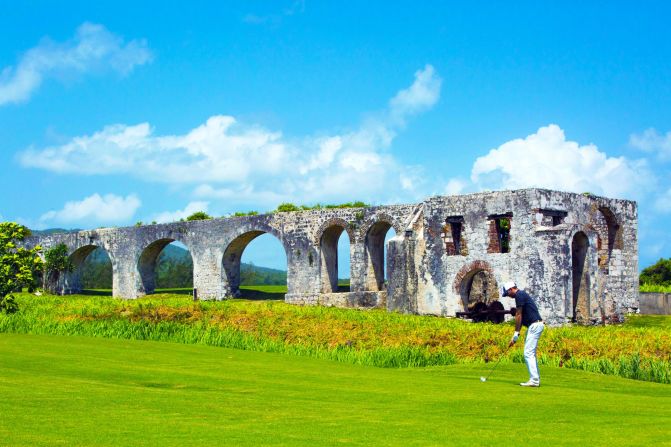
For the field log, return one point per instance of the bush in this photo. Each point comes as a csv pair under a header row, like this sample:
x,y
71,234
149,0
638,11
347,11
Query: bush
x,y
287,207
657,274
199,215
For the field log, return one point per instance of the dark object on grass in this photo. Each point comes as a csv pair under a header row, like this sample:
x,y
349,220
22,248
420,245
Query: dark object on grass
x,y
481,312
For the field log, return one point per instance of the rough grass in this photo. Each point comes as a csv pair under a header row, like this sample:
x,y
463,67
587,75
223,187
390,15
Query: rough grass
x,y
84,391
634,350
654,288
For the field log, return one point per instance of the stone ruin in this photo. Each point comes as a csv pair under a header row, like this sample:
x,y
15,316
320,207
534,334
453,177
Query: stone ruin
x,y
576,253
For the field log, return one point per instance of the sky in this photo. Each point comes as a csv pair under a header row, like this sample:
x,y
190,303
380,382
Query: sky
x,y
117,112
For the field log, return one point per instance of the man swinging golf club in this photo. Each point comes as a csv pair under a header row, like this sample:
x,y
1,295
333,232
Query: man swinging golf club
x,y
527,314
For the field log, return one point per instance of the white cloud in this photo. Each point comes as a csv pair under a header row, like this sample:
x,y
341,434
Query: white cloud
x,y
651,141
105,209
420,96
546,159
92,49
663,202
172,216
455,186
231,160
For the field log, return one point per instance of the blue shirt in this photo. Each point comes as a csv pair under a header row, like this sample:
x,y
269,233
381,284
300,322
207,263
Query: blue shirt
x,y
527,306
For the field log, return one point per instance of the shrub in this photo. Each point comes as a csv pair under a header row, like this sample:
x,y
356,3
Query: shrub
x,y
287,207
199,215
658,273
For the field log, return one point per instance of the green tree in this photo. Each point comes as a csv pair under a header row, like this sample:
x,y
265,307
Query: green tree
x,y
19,266
56,262
658,273
199,215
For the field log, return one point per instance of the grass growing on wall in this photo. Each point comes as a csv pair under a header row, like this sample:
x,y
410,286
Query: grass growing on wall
x,y
376,337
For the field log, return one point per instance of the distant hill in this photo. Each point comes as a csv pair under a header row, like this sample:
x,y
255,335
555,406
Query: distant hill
x,y
174,268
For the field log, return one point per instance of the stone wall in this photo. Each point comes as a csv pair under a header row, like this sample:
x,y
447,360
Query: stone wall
x,y
655,303
577,254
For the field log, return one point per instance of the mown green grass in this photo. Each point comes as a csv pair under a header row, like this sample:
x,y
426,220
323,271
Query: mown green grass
x,y
91,391
376,337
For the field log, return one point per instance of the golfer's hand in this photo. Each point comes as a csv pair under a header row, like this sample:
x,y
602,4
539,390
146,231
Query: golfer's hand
x,y
514,338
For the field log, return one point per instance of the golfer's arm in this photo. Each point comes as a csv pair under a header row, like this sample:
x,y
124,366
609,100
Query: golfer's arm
x,y
518,320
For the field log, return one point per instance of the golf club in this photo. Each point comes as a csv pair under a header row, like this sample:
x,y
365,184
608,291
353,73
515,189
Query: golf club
x,y
484,379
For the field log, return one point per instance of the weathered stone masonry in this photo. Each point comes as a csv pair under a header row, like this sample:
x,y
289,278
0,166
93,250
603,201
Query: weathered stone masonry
x,y
577,253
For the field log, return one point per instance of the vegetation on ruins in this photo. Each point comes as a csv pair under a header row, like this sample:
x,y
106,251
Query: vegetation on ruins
x,y
289,207
199,215
19,267
639,349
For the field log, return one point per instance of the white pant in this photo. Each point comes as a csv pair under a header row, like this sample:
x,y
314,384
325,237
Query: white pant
x,y
530,344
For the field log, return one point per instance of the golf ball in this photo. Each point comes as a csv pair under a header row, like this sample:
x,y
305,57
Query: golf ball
x,y
482,379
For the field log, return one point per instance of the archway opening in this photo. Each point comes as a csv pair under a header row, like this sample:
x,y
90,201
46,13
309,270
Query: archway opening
x,y
166,266
263,269
335,260
92,272
376,255
609,236
479,290
255,265
580,273
96,273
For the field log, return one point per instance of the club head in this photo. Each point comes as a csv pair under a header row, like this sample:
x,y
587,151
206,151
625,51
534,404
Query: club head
x,y
482,379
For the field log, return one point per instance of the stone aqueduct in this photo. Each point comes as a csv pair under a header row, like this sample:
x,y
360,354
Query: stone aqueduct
x,y
576,253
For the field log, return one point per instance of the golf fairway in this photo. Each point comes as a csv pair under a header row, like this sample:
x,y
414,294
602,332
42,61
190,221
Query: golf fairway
x,y
58,390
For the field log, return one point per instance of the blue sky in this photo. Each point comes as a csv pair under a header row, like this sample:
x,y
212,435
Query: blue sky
x,y
116,112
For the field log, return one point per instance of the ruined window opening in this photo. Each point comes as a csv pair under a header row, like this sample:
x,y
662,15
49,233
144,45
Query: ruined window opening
x,y
499,233
550,218
452,236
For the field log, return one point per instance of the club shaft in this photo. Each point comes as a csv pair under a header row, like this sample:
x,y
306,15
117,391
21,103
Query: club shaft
x,y
497,363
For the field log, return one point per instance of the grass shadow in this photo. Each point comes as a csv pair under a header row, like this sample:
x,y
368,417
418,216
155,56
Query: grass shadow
x,y
176,291
96,292
263,293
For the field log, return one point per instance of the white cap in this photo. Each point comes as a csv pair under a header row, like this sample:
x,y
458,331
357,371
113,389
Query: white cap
x,y
507,286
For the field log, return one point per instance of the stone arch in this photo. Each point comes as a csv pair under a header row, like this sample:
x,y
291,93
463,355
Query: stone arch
x,y
334,222
232,256
72,282
481,275
374,237
609,236
147,260
328,249
580,277
380,217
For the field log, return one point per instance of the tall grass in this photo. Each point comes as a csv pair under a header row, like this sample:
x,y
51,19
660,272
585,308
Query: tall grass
x,y
375,337
654,288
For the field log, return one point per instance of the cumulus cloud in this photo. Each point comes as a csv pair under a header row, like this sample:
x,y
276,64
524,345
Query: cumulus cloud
x,y
109,208
420,96
172,216
92,49
651,141
227,159
547,159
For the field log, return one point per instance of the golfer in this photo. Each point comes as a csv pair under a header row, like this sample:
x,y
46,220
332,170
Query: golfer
x,y
527,314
